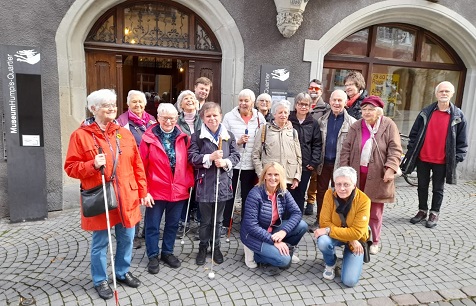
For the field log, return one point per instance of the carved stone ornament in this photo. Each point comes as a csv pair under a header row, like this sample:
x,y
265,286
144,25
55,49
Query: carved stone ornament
x,y
289,16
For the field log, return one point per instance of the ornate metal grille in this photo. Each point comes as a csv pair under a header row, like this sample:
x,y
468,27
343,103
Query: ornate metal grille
x,y
155,24
105,33
203,42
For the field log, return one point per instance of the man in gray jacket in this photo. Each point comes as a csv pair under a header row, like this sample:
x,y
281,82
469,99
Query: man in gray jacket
x,y
334,126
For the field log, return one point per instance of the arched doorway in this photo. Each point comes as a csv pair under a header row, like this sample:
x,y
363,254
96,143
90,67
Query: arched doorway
x,y
157,47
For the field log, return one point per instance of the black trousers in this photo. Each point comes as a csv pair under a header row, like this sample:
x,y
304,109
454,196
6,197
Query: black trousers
x,y
438,182
299,192
248,180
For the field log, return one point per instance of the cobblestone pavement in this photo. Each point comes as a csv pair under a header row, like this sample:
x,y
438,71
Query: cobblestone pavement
x,y
49,261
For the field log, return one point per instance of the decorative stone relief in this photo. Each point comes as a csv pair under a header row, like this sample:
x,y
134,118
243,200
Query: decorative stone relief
x,y
289,16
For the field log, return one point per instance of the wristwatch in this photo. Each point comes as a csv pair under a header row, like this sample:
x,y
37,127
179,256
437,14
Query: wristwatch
x,y
328,230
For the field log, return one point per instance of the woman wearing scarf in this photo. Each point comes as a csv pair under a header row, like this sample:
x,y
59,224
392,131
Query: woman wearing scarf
x,y
354,84
213,154
136,120
373,148
344,220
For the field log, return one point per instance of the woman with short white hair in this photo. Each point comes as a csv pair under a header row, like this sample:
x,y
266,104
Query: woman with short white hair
x,y
263,105
169,177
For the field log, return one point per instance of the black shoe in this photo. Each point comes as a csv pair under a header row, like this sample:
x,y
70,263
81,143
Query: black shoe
x,y
313,227
217,256
170,260
309,211
104,290
421,215
269,269
137,244
432,220
130,280
153,265
201,256
180,231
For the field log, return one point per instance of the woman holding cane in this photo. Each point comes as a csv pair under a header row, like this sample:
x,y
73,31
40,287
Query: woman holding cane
x,y
83,161
211,165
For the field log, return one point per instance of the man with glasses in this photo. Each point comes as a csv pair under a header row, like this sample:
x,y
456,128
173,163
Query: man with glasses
x,y
319,108
334,126
437,143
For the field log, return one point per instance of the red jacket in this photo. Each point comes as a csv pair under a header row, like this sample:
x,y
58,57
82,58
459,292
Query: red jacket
x,y
130,176
162,184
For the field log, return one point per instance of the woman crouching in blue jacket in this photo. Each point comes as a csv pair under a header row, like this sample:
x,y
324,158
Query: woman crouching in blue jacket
x,y
263,231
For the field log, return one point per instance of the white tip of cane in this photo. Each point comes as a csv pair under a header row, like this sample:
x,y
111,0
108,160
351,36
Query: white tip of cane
x,y
211,275
227,239
182,242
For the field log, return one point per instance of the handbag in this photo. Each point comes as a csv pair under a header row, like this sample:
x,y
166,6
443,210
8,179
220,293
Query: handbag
x,y
92,200
399,171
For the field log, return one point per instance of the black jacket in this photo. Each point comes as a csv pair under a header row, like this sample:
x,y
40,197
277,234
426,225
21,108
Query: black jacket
x,y
355,110
309,138
456,141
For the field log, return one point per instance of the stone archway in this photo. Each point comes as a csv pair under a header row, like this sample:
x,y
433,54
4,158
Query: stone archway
x,y
447,24
75,26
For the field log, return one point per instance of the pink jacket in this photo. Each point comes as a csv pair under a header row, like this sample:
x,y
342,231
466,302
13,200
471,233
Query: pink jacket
x,y
161,183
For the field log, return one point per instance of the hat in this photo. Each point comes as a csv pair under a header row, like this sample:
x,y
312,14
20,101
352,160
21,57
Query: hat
x,y
374,100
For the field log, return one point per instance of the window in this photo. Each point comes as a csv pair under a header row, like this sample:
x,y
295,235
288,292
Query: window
x,y
401,63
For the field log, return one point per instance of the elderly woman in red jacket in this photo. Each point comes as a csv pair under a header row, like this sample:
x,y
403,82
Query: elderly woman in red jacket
x,y
169,177
83,162
373,149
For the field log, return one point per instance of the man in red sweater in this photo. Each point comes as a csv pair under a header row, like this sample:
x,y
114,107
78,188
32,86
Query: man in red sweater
x,y
438,133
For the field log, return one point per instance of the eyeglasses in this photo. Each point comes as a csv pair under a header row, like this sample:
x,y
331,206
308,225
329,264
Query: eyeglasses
x,y
345,185
314,88
303,105
108,105
165,119
349,84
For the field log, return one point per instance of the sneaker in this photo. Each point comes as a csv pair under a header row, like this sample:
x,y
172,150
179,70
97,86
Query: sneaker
x,y
137,243
180,231
269,269
432,220
421,215
374,249
249,258
170,260
309,211
223,231
217,256
295,259
329,272
153,265
312,227
201,256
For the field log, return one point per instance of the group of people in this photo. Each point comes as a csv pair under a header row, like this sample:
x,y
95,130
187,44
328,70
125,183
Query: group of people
x,y
344,154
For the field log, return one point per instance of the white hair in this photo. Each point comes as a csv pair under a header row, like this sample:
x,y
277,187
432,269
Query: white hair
x,y
96,98
166,108
182,95
445,83
138,93
283,103
347,172
247,93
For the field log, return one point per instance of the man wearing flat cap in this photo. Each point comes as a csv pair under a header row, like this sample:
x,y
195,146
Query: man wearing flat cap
x,y
437,143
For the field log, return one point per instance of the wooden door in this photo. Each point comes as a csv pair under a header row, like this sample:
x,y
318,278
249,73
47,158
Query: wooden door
x,y
209,69
104,70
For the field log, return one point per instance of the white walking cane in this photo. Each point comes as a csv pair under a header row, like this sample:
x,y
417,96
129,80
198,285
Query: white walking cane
x,y
109,230
211,275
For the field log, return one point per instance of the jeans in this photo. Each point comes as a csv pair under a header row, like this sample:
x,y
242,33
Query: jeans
x,y
248,180
351,263
438,180
99,249
207,210
300,191
269,254
153,216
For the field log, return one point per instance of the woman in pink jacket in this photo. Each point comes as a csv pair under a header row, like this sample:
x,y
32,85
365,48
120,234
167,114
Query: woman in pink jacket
x,y
169,177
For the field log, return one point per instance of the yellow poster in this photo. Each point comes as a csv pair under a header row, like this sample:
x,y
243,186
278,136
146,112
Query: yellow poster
x,y
386,87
